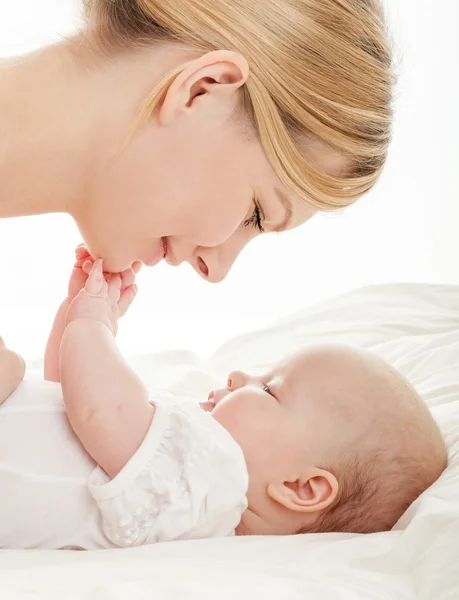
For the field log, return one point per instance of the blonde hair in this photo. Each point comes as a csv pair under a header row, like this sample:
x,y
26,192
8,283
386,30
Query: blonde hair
x,y
317,67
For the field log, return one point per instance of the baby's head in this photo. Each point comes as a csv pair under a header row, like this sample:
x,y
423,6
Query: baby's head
x,y
334,440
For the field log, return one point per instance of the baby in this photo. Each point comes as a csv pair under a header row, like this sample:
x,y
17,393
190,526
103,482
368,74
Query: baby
x,y
331,439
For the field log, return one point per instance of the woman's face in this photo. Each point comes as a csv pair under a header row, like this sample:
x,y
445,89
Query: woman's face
x,y
203,198
194,185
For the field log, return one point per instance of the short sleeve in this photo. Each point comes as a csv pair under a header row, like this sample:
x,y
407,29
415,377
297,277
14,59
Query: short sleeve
x,y
187,480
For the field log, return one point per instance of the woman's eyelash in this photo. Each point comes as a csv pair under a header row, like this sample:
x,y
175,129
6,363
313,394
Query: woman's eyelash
x,y
256,220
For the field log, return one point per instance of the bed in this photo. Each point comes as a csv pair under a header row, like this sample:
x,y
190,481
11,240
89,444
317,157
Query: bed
x,y
414,326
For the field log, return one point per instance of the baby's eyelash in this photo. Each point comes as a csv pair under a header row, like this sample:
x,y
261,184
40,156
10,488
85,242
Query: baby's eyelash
x,y
266,389
255,220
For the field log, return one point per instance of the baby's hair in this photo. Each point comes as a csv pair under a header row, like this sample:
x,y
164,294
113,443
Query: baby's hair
x,y
319,70
374,493
403,455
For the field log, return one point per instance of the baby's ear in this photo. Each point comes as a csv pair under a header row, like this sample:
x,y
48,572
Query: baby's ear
x,y
313,491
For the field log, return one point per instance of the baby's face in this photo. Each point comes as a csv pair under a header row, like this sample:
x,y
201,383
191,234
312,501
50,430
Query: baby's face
x,y
277,418
298,414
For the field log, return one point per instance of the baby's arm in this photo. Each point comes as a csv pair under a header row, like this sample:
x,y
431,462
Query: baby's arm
x,y
51,366
78,278
77,282
107,404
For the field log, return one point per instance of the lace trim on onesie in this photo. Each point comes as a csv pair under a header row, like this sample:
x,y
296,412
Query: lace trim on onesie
x,y
187,480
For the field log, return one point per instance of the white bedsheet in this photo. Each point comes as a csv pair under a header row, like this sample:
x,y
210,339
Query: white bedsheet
x,y
416,327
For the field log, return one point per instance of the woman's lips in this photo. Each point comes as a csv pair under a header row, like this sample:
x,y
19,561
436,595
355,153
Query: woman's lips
x,y
170,257
159,252
164,250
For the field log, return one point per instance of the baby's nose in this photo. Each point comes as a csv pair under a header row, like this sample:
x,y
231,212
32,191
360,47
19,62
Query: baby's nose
x,y
236,379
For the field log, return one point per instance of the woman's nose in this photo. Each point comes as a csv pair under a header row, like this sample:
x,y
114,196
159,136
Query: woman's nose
x,y
210,266
214,263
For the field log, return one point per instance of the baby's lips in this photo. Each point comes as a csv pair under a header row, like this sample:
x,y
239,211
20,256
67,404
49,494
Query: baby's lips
x,y
209,404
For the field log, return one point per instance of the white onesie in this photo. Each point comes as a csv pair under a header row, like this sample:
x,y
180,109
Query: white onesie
x,y
187,480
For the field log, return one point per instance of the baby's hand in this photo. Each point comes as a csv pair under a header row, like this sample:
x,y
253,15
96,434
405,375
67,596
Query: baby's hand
x,y
82,267
104,298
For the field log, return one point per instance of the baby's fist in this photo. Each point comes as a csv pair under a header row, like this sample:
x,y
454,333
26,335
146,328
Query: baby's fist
x,y
104,298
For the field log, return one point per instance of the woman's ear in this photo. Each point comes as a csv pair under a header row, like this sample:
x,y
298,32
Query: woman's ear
x,y
212,78
313,491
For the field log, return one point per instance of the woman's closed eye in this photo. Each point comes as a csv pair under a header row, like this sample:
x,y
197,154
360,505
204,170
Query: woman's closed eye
x,y
256,219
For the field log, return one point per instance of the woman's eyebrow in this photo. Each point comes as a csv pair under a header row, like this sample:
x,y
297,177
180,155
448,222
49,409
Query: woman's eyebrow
x,y
288,211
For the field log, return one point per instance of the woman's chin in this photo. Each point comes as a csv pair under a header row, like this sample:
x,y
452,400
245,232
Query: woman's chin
x,y
117,265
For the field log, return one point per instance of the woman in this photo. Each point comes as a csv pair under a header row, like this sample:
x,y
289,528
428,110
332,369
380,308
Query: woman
x,y
181,130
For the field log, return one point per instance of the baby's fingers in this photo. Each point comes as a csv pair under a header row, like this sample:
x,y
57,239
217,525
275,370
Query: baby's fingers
x,y
114,287
96,284
87,265
82,257
126,299
81,252
127,279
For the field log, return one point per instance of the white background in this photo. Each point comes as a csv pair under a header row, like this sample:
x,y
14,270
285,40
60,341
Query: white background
x,y
404,230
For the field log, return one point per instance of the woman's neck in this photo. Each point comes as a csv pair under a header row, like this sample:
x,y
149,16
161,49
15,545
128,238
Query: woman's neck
x,y
65,112
42,133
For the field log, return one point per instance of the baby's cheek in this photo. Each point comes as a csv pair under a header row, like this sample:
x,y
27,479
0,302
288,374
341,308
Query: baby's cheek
x,y
226,415
232,416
